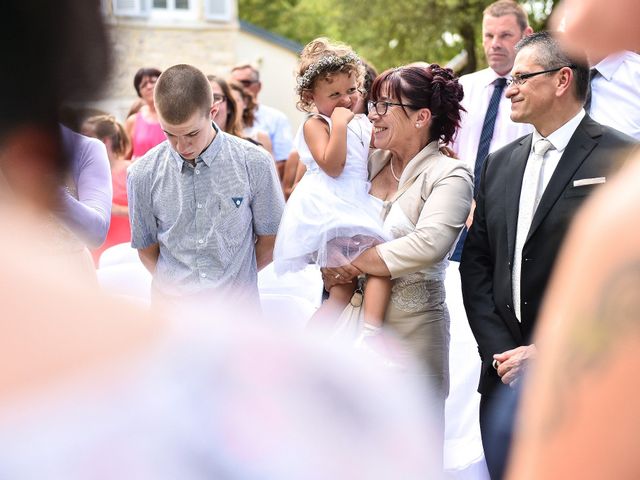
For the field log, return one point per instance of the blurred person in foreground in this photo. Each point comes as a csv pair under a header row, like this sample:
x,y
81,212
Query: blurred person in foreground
x,y
44,164
84,211
204,205
598,27
579,418
91,388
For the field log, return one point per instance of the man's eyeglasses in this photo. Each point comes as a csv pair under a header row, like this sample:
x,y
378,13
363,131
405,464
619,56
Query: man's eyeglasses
x,y
523,77
381,107
218,98
247,83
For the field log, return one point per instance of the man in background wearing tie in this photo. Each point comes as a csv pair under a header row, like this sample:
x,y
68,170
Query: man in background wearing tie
x,y
614,99
528,193
486,125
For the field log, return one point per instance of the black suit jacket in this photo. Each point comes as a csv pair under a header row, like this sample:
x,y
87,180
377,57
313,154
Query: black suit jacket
x,y
487,257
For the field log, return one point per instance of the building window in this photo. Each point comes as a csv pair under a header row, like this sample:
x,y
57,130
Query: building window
x,y
131,8
220,10
174,10
171,4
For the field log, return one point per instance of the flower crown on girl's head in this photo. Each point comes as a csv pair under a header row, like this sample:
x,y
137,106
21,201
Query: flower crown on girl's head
x,y
328,63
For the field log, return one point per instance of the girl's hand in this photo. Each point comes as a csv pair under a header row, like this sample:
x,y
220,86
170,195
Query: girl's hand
x,y
341,115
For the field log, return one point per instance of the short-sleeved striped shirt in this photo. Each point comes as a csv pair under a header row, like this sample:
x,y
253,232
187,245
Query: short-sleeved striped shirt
x,y
205,217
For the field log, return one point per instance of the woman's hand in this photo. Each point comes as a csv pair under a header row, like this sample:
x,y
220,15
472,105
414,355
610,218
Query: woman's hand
x,y
338,275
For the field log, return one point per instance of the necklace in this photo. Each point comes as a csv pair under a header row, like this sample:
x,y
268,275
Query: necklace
x,y
392,172
358,133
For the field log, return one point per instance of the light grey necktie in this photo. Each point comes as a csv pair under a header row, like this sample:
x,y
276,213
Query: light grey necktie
x,y
532,189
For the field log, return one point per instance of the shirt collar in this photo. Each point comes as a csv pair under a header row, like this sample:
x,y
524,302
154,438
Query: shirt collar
x,y
491,76
610,64
208,155
560,138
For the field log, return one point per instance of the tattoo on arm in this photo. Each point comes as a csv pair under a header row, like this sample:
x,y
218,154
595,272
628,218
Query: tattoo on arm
x,y
595,337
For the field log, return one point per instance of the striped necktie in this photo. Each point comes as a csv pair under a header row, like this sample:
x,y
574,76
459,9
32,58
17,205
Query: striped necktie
x,y
483,150
487,129
593,73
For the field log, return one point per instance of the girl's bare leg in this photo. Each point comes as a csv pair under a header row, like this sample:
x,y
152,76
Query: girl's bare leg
x,y
377,293
327,315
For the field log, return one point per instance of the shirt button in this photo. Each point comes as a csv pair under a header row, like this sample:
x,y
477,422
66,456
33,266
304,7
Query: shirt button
x,y
199,205
203,275
197,172
201,241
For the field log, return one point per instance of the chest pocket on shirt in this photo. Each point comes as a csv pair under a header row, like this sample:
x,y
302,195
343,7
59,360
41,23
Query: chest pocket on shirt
x,y
233,220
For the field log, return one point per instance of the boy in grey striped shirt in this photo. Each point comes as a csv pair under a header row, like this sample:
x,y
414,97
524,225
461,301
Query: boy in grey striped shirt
x,y
204,205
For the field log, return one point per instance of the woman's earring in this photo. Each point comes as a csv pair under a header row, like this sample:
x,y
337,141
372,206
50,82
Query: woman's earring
x,y
417,125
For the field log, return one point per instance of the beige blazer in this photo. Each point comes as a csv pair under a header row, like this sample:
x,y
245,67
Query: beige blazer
x,y
437,200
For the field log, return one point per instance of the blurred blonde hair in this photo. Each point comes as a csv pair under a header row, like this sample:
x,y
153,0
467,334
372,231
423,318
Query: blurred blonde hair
x,y
106,126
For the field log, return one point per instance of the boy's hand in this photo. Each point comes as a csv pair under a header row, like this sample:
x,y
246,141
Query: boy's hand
x,y
341,115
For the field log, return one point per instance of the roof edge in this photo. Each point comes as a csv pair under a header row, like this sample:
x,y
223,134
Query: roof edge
x,y
279,40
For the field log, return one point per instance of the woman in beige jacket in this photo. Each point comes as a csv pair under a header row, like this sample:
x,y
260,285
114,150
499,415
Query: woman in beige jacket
x,y
427,197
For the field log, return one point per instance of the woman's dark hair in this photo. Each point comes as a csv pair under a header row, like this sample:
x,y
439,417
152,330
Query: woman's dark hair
x,y
249,113
370,74
233,126
144,72
431,87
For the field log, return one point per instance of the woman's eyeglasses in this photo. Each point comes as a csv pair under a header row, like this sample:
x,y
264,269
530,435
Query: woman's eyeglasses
x,y
218,98
381,106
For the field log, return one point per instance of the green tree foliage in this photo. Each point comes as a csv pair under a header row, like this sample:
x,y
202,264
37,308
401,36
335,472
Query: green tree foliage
x,y
385,32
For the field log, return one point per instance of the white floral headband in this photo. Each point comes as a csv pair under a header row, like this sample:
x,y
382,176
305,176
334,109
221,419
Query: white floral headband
x,y
331,62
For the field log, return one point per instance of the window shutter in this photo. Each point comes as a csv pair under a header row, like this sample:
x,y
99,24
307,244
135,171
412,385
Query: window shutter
x,y
131,8
218,10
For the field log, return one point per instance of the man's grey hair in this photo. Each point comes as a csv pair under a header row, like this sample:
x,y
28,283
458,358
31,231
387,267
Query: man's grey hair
x,y
549,54
254,70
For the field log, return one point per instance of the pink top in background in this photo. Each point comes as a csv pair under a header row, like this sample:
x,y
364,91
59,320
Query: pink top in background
x,y
119,229
146,135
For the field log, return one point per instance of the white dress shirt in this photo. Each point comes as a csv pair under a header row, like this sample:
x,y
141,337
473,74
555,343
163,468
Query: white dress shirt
x,y
478,88
615,98
276,124
559,139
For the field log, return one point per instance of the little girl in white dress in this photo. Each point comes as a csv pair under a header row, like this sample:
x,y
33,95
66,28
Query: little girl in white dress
x,y
330,218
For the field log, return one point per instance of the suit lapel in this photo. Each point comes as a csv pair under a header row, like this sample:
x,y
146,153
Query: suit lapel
x,y
513,185
583,141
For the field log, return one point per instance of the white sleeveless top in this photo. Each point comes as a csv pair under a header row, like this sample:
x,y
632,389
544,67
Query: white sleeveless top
x,y
358,138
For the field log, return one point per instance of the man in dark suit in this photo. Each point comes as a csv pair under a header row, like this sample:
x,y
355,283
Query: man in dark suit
x,y
529,192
